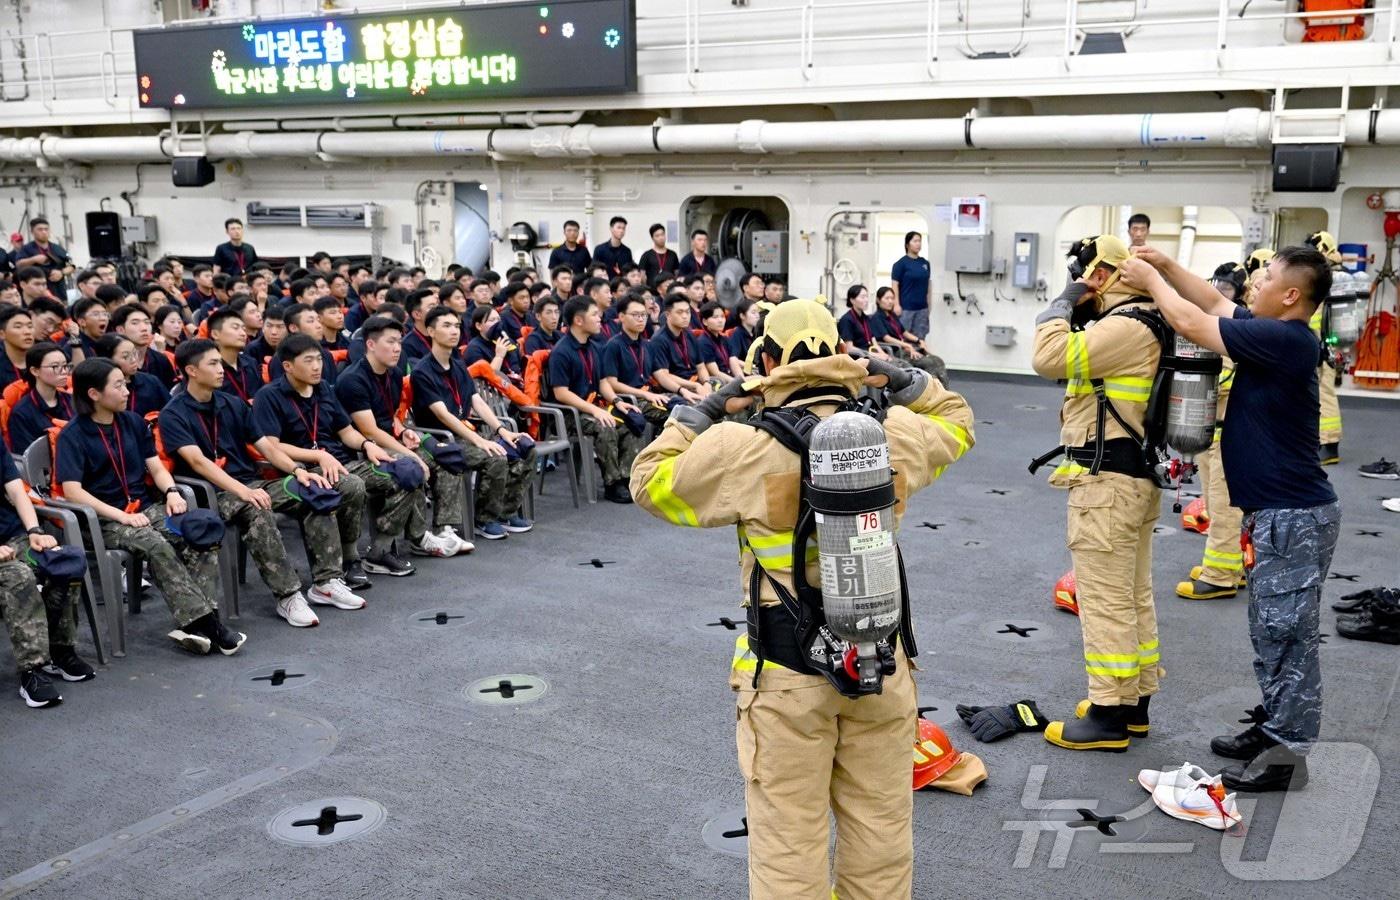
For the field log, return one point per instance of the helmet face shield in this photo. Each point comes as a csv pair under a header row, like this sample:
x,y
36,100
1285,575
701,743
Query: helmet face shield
x,y
1226,287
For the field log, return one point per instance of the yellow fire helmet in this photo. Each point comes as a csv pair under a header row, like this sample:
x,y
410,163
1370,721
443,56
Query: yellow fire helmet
x,y
1326,245
1258,260
1091,252
795,322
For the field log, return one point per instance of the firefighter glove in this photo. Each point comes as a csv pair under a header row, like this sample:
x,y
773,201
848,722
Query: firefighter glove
x,y
992,723
1062,307
712,407
898,377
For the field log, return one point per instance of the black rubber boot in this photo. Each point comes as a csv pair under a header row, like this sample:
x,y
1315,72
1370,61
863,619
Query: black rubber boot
x,y
1135,717
1102,728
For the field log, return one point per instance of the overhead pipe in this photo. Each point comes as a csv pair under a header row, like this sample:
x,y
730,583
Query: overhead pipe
x,y
1186,241
1233,129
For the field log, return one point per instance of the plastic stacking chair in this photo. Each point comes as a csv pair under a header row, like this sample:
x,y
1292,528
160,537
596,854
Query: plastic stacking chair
x,y
206,496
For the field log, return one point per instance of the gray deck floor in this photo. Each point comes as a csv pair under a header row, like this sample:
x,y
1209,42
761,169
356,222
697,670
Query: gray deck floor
x,y
159,778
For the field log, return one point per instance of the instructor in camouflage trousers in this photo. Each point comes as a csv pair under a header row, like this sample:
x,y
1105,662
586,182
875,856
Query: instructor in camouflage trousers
x,y
1269,449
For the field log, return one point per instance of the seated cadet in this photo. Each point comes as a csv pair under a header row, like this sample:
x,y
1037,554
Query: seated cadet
x,y
357,340
17,331
207,432
546,332
247,309
416,343
43,629
144,392
369,390
170,331
454,298
92,318
695,293
51,322
575,377
514,302
675,354
369,298
332,324
134,323
302,319
299,412
856,328
102,460
242,376
481,292
45,404
443,396
538,291
274,329
499,351
747,314
714,351
626,366
889,330
600,292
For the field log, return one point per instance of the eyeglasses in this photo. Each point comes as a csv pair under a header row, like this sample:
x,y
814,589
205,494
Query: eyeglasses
x,y
60,368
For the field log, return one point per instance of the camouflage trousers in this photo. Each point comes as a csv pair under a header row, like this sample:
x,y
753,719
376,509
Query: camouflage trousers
x,y
616,448
446,488
320,532
500,484
258,530
177,569
391,515
1292,553
36,621
348,520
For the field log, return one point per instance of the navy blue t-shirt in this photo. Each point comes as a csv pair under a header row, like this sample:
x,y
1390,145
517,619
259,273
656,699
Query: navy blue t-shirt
x,y
225,422
432,383
108,460
615,258
311,423
857,329
416,345
479,349
677,354
575,366
511,324
627,360
714,349
912,276
146,394
10,525
359,389
158,365
739,342
576,259
30,418
1270,438
244,380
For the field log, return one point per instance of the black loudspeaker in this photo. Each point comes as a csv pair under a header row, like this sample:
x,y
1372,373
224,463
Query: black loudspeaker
x,y
104,235
1307,167
191,171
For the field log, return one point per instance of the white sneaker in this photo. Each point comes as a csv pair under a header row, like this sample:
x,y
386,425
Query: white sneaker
x,y
450,536
1183,777
293,608
335,593
1393,504
432,545
1204,801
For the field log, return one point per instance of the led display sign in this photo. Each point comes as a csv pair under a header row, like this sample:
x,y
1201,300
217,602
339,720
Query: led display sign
x,y
451,53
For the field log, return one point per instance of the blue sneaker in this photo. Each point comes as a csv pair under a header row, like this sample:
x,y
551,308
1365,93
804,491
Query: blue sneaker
x,y
491,531
517,524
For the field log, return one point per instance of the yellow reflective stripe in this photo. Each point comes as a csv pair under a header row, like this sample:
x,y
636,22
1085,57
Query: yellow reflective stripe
x,y
659,490
1112,658
744,660
938,472
1130,388
1227,378
1076,356
1147,653
774,551
1330,422
1114,673
781,539
1230,562
1078,387
1070,468
1315,323
957,432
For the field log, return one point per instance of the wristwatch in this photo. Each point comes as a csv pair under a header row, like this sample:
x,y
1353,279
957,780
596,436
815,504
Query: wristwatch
x,y
173,489
35,530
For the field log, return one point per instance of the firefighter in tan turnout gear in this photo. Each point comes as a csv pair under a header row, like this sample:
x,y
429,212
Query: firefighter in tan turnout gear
x,y
807,749
1113,500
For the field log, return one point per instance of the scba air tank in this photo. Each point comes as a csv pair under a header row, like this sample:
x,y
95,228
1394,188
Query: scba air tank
x,y
849,460
1191,403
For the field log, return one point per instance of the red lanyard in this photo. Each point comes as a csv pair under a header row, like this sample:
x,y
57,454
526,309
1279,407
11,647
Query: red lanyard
x,y
391,405
19,373
720,350
214,435
235,377
635,348
115,457
238,256
131,395
893,322
59,401
586,357
864,325
456,394
682,345
315,418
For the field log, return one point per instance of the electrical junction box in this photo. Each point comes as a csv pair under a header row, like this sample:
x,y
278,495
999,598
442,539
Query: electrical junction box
x,y
1001,335
970,216
770,252
139,230
1025,252
970,254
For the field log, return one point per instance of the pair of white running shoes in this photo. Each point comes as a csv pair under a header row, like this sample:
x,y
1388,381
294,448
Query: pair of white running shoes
x,y
1191,794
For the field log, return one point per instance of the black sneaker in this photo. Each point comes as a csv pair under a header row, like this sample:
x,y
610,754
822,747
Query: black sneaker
x,y
384,562
192,638
37,690
618,492
1381,468
66,664
355,577
1353,603
221,636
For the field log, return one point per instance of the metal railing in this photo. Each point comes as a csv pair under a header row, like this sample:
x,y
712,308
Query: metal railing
x,y
99,63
